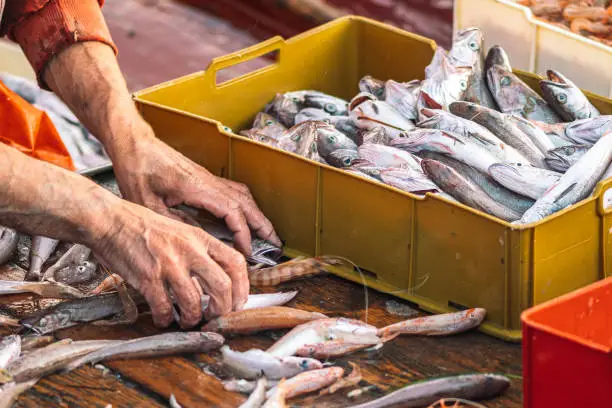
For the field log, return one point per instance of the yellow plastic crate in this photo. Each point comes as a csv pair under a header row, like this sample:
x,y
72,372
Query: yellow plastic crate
x,y
440,255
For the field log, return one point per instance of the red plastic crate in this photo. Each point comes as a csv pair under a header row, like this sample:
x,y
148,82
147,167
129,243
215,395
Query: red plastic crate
x,y
567,350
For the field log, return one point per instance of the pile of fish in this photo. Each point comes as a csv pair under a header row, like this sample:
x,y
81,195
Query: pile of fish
x,y
85,150
291,367
471,131
590,18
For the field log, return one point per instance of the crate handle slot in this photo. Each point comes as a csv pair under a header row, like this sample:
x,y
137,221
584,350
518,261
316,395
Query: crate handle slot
x,y
604,192
276,43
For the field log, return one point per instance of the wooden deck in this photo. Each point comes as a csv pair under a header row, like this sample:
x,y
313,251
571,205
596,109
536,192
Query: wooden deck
x,y
158,41
149,382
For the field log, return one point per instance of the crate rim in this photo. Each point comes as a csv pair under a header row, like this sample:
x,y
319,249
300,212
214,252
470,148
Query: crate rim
x,y
526,316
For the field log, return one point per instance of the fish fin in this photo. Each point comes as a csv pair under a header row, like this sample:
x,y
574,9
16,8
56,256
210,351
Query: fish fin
x,y
430,102
449,135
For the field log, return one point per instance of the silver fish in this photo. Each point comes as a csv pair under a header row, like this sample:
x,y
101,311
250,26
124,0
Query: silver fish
x,y
408,180
322,330
261,251
388,156
447,88
566,98
344,124
254,363
245,386
497,56
10,348
499,193
377,135
84,272
75,256
267,125
469,387
329,140
9,238
588,131
44,289
437,325
446,121
152,346
502,127
330,104
457,146
576,184
255,301
302,139
529,181
47,360
513,96
342,158
284,107
42,248
403,97
562,158
468,51
466,191
537,135
71,313
258,396
372,86
368,113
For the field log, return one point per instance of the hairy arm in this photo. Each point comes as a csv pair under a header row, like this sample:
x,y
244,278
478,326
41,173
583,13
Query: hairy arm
x,y
43,199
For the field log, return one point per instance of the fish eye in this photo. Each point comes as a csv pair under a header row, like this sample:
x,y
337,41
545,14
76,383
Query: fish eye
x,y
463,85
269,122
313,147
330,108
347,161
227,129
80,268
562,98
332,139
474,46
295,99
505,81
519,164
304,364
327,120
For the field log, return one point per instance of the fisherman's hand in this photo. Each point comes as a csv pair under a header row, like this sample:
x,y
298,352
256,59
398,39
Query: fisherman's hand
x,y
153,253
151,173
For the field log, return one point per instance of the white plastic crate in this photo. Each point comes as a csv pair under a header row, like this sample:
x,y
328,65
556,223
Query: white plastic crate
x,y
535,45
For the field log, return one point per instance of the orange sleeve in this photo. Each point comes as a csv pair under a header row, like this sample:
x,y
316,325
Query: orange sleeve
x,y
43,28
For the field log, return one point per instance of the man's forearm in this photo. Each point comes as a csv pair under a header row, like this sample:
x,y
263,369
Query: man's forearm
x,y
87,77
42,199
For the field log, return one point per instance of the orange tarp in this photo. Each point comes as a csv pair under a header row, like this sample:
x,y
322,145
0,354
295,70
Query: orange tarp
x,y
30,130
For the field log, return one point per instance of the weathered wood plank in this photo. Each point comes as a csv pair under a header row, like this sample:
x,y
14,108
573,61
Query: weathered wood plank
x,y
86,386
163,376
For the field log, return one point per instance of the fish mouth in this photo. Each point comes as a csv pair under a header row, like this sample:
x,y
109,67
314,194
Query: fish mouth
x,y
360,98
429,113
554,77
553,84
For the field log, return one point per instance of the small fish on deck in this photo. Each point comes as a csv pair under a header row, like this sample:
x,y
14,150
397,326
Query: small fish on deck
x,y
265,318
